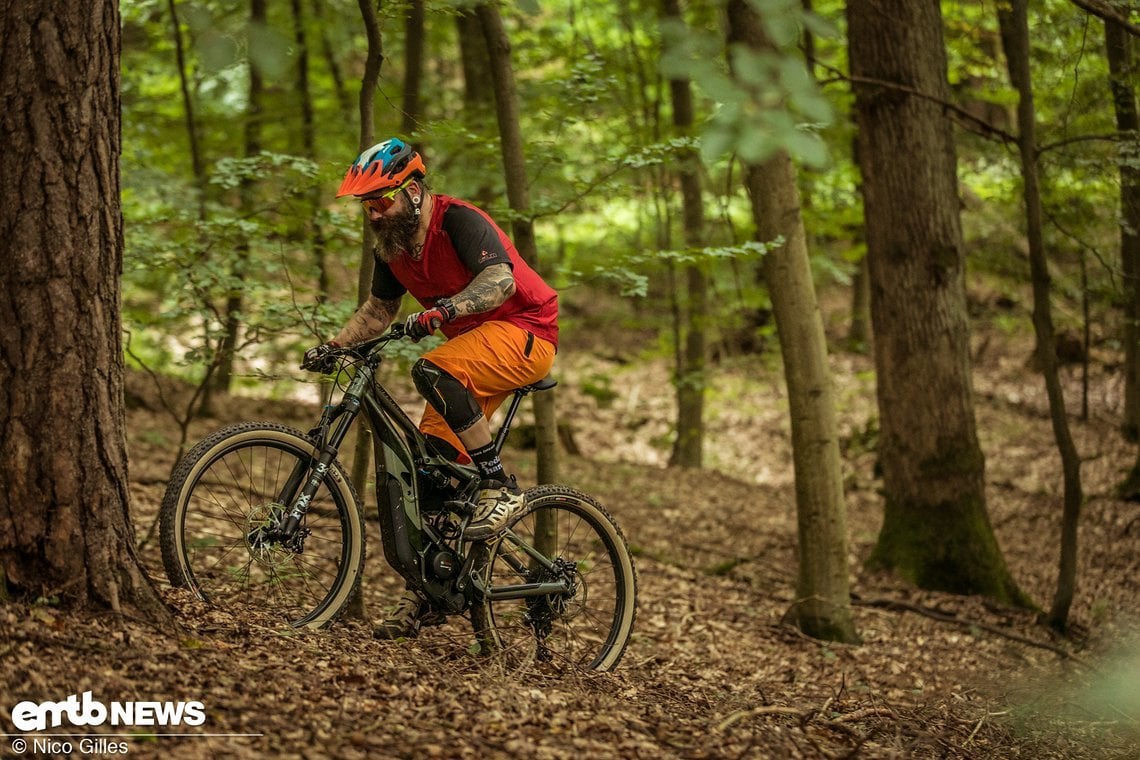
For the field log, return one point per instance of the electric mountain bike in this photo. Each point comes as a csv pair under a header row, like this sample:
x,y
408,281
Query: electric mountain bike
x,y
262,516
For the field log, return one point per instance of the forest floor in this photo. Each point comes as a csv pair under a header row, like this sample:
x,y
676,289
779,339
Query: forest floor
x,y
712,672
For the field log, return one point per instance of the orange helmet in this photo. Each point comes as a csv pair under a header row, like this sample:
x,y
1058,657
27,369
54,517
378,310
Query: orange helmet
x,y
384,165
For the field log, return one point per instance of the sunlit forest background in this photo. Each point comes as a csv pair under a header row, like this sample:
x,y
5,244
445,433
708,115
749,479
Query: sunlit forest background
x,y
224,194
973,476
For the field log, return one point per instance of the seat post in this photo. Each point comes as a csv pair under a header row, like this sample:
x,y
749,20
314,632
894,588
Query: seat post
x,y
505,428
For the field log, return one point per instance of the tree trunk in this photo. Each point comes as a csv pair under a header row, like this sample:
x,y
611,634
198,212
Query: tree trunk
x,y
343,99
477,82
196,162
1121,64
823,606
1015,40
936,531
368,83
413,66
235,299
362,451
65,527
859,332
690,377
477,78
314,233
518,193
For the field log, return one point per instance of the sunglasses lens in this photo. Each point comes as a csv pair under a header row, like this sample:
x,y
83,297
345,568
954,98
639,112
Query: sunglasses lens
x,y
379,205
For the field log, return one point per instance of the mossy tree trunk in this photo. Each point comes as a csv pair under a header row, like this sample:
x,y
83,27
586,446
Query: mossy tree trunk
x,y
936,531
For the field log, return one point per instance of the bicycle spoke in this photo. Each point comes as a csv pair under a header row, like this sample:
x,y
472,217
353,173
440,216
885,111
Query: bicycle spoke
x,y
230,552
586,625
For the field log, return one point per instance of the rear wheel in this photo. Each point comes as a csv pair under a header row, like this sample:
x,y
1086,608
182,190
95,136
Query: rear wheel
x,y
217,524
567,543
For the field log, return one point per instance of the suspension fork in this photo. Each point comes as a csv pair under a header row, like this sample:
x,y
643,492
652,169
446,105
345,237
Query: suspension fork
x,y
327,448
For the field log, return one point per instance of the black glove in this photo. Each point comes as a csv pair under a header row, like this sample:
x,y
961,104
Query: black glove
x,y
321,358
422,324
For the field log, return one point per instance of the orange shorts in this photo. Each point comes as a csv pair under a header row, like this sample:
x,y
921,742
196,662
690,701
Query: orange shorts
x,y
491,361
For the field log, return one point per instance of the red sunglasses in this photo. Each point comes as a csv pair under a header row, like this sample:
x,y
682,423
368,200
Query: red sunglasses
x,y
384,202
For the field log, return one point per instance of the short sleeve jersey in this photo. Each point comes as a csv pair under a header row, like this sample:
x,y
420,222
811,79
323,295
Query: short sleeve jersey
x,y
461,242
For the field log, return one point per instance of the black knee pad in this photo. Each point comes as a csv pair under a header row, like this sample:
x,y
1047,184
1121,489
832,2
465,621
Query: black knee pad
x,y
446,395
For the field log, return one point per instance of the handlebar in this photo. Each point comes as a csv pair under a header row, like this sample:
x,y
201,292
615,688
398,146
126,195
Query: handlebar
x,y
362,350
327,361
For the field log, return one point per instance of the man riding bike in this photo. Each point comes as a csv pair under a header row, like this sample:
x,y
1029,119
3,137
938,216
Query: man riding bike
x,y
500,319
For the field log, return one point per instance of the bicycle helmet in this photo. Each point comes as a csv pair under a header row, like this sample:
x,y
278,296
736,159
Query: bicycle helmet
x,y
384,165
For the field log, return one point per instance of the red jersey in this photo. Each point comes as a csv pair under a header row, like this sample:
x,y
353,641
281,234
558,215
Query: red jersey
x,y
462,241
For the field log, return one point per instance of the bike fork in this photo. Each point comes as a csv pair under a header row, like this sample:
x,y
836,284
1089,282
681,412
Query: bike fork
x,y
328,447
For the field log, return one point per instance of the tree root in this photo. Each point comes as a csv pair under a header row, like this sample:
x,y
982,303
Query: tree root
x,y
896,605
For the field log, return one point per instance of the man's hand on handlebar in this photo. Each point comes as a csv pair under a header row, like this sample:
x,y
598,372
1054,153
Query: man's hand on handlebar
x,y
424,323
321,358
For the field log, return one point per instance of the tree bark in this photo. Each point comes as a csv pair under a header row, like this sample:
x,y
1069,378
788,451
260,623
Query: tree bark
x,y
194,143
690,374
343,98
1122,68
1015,39
936,531
314,232
822,607
235,298
413,66
362,451
477,79
65,527
478,109
859,332
518,194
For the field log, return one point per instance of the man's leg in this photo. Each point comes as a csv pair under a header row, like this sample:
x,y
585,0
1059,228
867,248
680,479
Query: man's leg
x,y
464,380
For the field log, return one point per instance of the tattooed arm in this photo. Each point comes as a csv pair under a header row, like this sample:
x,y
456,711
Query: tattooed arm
x,y
371,319
489,290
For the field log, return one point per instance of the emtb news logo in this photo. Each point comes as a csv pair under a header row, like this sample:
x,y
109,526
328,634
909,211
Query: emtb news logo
x,y
82,710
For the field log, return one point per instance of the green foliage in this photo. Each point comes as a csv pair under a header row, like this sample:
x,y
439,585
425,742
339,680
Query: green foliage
x,y
768,102
602,155
626,271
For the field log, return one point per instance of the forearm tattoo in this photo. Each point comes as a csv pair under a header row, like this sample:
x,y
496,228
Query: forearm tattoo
x,y
490,289
371,319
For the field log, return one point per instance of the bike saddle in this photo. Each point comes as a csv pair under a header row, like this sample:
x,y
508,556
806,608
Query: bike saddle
x,y
544,384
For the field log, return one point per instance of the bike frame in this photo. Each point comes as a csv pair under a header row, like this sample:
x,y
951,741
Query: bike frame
x,y
405,467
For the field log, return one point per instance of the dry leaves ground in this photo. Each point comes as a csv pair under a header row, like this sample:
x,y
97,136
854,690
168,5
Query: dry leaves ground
x,y
711,671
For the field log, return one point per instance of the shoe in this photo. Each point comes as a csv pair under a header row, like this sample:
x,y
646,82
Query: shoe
x,y
496,504
410,614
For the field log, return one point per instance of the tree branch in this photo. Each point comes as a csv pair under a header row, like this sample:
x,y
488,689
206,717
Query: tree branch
x,y
966,119
897,605
1105,12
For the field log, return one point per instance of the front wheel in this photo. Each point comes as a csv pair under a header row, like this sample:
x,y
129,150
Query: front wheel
x,y
218,517
559,585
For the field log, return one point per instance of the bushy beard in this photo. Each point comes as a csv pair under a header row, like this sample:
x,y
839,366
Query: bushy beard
x,y
394,234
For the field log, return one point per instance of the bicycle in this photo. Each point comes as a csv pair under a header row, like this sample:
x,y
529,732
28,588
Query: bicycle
x,y
261,515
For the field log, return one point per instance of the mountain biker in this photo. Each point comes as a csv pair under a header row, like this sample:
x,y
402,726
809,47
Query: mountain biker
x,y
500,319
